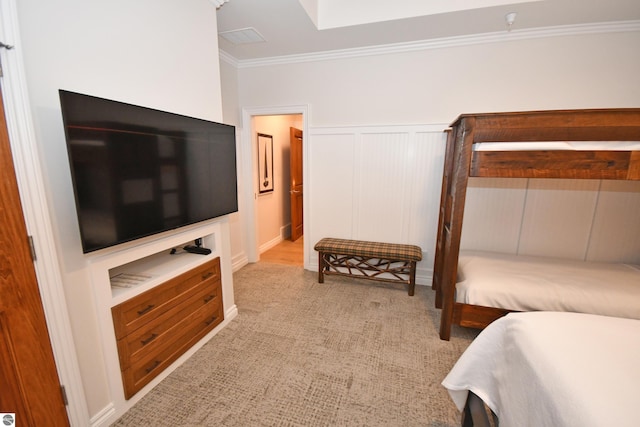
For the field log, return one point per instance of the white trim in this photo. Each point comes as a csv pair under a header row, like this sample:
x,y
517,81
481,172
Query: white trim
x,y
218,3
239,261
270,244
250,193
378,129
34,204
224,56
446,42
103,415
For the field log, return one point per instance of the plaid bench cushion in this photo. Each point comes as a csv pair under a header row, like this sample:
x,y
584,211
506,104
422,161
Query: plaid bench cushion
x,y
390,251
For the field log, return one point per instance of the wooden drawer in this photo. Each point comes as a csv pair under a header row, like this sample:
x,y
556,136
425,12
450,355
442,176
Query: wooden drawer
x,y
146,339
140,310
171,346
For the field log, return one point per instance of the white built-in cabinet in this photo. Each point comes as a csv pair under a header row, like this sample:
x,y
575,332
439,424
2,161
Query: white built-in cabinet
x,y
179,287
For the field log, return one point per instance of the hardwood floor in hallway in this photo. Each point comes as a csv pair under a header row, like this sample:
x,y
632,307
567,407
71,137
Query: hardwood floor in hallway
x,y
286,252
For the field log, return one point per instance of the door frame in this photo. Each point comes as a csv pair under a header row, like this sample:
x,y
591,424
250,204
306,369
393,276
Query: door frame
x,y
293,164
248,156
35,210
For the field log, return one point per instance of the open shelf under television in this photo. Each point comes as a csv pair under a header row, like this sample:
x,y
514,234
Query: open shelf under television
x,y
140,275
150,257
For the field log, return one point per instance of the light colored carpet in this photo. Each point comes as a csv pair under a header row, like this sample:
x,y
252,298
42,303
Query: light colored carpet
x,y
344,353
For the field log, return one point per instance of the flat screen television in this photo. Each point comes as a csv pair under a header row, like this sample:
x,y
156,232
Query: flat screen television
x,y
138,171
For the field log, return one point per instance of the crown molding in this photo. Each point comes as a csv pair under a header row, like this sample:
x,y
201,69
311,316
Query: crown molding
x,y
224,56
218,3
496,37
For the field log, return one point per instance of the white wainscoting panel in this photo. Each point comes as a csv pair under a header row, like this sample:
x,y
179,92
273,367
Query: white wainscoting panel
x,y
382,164
557,217
615,234
379,183
577,219
493,214
331,187
429,147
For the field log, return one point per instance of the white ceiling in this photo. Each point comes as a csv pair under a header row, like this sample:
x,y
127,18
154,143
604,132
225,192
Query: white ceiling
x,y
289,26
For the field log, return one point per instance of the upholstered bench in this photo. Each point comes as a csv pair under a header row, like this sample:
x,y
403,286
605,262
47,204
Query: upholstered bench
x,y
386,262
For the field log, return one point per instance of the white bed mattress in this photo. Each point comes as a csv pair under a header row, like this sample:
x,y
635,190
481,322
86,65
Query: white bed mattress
x,y
553,369
528,283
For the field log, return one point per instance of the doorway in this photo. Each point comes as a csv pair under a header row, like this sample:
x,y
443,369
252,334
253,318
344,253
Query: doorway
x,y
278,209
296,187
253,123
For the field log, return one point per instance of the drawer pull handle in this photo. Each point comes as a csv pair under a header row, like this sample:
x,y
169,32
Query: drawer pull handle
x,y
148,340
153,366
208,298
145,310
207,275
210,321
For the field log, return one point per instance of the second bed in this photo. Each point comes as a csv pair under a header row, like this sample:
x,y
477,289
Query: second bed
x,y
534,283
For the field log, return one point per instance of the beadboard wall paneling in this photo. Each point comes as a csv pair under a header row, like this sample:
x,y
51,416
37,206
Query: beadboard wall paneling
x,y
495,201
331,186
615,235
575,219
429,147
377,183
557,217
383,168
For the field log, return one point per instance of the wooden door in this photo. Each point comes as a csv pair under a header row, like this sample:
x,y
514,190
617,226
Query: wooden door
x,y
296,192
28,376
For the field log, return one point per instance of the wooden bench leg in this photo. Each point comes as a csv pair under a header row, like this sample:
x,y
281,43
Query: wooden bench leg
x,y
412,279
320,267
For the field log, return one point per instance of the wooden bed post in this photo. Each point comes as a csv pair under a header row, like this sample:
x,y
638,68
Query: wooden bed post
x,y
436,283
456,190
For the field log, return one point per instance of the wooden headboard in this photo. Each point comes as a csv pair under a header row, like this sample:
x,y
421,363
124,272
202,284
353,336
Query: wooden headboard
x,y
542,126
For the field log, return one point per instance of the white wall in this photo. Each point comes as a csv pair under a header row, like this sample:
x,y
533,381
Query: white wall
x,y
160,54
434,86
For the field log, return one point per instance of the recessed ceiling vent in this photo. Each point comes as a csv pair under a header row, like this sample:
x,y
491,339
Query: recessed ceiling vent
x,y
243,36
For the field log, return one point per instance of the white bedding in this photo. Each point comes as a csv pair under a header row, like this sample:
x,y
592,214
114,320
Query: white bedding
x,y
558,145
529,283
553,369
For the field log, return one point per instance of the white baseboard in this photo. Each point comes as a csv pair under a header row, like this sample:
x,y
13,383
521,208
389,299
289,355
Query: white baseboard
x,y
270,244
103,416
285,233
239,261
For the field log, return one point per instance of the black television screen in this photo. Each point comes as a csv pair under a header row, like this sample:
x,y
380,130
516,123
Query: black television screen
x,y
137,171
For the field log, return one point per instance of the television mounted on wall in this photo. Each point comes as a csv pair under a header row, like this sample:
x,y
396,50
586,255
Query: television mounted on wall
x,y
138,171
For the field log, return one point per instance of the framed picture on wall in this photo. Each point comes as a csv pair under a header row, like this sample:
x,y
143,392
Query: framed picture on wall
x,y
265,163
